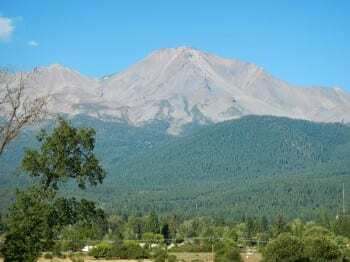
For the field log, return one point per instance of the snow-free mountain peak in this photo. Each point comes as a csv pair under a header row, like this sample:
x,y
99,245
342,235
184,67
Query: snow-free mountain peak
x,y
185,85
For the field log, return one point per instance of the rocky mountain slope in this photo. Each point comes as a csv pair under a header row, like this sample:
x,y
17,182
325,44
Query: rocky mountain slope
x,y
184,85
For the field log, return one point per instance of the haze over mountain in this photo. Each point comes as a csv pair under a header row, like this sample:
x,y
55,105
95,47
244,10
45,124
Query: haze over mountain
x,y
185,85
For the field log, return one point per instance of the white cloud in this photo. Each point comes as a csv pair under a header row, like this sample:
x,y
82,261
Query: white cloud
x,y
33,43
6,28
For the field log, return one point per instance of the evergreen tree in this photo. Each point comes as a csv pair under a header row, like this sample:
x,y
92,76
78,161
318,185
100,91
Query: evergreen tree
x,y
280,226
2,226
152,223
165,231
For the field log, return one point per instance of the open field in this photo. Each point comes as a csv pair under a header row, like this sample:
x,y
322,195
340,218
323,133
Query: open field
x,y
90,259
186,256
189,256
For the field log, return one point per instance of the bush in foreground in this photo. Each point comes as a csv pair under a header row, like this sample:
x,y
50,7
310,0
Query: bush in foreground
x,y
321,248
127,250
285,247
102,250
227,252
315,245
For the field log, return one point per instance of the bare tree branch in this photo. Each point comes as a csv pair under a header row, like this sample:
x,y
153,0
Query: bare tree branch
x,y
18,107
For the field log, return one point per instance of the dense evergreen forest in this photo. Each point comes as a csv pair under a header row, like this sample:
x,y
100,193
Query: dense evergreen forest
x,y
254,166
251,166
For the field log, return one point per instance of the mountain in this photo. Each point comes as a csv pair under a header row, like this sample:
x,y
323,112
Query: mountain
x,y
183,86
235,156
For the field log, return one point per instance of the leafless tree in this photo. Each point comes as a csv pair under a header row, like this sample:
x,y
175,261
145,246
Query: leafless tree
x,y
18,108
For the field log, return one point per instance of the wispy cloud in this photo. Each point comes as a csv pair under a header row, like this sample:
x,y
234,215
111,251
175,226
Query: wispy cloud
x,y
33,43
6,28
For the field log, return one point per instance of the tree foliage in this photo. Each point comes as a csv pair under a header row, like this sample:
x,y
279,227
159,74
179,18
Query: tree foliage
x,y
65,153
38,216
29,228
309,242
285,247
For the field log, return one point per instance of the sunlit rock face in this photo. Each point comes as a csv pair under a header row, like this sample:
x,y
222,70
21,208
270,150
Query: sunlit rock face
x,y
182,86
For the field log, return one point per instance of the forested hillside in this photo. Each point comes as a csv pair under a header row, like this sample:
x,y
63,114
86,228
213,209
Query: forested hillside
x,y
252,166
255,165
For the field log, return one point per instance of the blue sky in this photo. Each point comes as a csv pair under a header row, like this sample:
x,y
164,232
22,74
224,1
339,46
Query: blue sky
x,y
302,42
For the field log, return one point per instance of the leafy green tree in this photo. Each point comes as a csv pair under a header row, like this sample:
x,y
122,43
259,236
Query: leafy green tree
x,y
115,223
137,226
65,153
29,230
152,238
208,236
285,247
346,253
152,223
321,248
250,228
323,219
320,245
296,227
174,222
227,252
263,224
342,226
37,216
279,226
230,234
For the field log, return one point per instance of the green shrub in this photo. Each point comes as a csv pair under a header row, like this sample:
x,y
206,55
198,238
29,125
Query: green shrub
x,y
321,248
159,255
131,250
346,254
102,250
228,254
127,250
285,247
77,258
71,245
172,258
57,249
17,248
48,256
189,247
